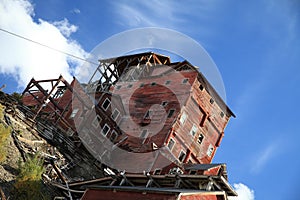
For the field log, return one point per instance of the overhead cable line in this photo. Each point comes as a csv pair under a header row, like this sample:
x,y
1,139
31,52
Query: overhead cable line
x,y
54,49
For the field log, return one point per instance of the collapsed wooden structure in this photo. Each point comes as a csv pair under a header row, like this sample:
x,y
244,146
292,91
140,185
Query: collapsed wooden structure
x,y
137,108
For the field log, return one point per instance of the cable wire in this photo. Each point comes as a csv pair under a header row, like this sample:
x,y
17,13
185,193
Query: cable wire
x,y
41,44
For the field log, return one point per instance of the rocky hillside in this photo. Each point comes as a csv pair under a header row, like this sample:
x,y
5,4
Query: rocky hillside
x,y
27,157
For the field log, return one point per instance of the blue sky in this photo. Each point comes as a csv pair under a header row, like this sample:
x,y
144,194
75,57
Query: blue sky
x,y
255,45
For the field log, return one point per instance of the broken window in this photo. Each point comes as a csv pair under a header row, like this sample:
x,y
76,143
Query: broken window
x,y
106,104
115,114
200,138
194,130
105,129
171,144
181,156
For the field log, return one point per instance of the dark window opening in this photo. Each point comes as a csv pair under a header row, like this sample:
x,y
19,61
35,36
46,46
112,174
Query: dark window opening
x,y
171,112
113,136
106,104
200,138
164,103
153,83
147,115
211,101
142,85
105,129
157,172
201,87
222,114
118,87
181,156
129,86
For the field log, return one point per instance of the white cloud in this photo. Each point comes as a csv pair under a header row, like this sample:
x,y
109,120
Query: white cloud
x,y
24,59
244,192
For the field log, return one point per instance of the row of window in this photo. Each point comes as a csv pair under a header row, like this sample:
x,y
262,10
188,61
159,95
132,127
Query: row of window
x,y
182,153
168,82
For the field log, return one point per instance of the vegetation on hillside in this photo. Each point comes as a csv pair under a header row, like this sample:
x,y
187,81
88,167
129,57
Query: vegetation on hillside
x,y
29,180
4,134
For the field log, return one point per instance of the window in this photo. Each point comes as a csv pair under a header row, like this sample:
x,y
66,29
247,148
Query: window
x,y
171,144
194,130
171,112
185,80
113,136
164,103
211,101
200,138
201,87
183,118
115,114
105,129
222,114
144,133
118,87
106,104
148,114
167,82
153,84
129,86
192,172
181,156
157,172
210,150
142,85
96,121
74,112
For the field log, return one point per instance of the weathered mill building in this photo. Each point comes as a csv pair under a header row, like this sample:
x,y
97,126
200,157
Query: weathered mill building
x,y
158,121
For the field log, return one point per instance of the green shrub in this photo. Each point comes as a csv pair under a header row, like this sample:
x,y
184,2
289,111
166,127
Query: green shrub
x,y
4,134
29,181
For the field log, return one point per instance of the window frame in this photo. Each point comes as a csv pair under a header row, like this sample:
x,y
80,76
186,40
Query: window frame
x,y
106,99
112,114
74,113
105,125
174,142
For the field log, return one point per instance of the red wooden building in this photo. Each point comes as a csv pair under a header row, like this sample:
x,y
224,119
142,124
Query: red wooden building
x,y
137,113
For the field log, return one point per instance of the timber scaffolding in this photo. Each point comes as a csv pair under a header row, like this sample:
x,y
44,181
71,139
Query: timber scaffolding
x,y
61,111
